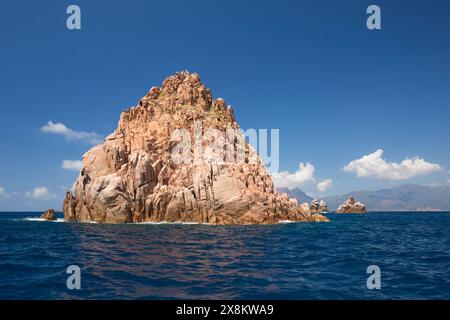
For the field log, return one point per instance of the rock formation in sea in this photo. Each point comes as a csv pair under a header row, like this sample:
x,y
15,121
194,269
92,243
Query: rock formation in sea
x,y
49,215
144,172
317,206
351,206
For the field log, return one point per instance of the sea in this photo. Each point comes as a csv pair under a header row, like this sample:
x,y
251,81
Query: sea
x,y
409,251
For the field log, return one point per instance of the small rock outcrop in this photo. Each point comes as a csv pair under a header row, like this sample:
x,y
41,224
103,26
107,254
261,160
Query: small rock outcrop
x,y
49,215
351,206
136,175
317,206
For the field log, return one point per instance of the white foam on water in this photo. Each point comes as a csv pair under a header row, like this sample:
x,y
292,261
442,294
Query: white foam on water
x,y
170,222
38,219
42,220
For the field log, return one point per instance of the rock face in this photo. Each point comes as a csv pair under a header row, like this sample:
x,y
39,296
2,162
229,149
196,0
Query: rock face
x,y
49,215
136,175
350,206
318,206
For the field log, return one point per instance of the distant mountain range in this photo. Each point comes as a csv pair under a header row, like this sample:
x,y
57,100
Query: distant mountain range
x,y
402,198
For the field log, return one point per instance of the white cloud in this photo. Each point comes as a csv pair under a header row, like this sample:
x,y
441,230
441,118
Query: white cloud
x,y
69,134
284,179
373,165
40,193
75,165
433,184
437,184
3,193
324,185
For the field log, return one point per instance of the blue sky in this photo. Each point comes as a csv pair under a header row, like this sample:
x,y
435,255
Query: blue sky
x,y
336,90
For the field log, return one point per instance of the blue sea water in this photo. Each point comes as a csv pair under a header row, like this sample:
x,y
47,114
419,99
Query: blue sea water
x,y
284,261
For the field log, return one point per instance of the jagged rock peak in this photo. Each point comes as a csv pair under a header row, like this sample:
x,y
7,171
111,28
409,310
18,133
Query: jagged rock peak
x,y
186,90
317,206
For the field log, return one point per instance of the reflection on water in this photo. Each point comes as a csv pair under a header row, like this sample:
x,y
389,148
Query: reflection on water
x,y
286,261
165,261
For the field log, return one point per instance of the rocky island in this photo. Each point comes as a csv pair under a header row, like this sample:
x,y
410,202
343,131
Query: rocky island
x,y
133,176
49,215
351,206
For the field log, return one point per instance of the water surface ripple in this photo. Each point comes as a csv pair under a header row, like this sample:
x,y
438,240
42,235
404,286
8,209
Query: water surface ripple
x,y
285,261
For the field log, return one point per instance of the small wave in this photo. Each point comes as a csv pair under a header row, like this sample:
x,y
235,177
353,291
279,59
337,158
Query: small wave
x,y
287,221
42,220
